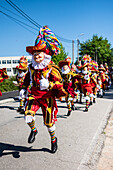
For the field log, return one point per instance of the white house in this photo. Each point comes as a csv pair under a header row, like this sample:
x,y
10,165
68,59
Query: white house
x,y
10,63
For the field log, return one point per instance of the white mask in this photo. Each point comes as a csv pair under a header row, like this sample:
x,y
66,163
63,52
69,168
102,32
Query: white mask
x,y
84,71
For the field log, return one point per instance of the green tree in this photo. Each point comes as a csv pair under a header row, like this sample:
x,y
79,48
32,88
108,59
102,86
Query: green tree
x,y
60,56
111,61
98,48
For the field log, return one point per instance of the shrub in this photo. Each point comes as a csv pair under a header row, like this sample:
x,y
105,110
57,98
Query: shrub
x,y
7,85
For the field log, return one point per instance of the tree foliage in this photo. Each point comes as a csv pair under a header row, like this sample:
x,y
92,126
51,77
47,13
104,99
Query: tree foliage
x,y
98,48
60,56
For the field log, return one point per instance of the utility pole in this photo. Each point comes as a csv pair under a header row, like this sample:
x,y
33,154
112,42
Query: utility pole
x,y
73,51
78,49
96,56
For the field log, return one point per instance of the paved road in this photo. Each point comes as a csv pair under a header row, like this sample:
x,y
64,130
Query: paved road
x,y
76,134
8,95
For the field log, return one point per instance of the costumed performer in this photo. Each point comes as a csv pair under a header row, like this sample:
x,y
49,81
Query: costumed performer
x,y
68,84
3,76
22,69
46,84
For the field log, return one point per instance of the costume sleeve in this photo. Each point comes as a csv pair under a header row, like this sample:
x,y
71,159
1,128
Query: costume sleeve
x,y
26,82
93,79
55,80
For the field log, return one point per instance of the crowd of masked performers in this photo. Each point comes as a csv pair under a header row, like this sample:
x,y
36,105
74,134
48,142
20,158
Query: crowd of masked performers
x,y
86,79
42,82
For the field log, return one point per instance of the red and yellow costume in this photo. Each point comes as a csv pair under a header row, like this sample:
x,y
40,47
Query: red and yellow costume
x,y
22,68
3,76
69,80
45,98
103,79
85,76
46,84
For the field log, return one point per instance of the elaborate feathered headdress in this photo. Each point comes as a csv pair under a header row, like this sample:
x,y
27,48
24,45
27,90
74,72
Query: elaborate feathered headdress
x,y
46,41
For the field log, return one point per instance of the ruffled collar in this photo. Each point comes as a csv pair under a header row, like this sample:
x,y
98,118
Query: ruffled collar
x,y
43,64
20,74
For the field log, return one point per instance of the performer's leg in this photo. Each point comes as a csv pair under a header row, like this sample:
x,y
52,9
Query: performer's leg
x,y
87,101
72,105
48,121
77,93
22,100
80,97
31,107
54,145
69,106
94,95
101,93
91,98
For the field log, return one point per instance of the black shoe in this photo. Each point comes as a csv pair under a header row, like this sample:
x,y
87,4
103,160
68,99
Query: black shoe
x,y
94,101
73,107
76,100
20,109
101,96
54,146
69,112
91,103
86,110
31,138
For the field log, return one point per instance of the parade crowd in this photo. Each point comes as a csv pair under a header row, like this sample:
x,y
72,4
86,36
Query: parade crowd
x,y
42,82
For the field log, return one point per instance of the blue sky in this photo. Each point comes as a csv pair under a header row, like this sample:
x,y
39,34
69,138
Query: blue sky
x,y
66,18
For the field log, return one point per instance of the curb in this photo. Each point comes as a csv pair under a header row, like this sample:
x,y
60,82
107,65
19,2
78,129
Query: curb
x,y
8,100
92,154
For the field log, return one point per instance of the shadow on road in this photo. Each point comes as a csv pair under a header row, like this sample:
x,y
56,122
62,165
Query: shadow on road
x,y
8,107
15,150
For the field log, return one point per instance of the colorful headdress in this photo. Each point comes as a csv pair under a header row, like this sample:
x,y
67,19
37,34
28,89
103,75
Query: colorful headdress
x,y
46,41
86,58
23,64
101,68
85,61
93,66
3,74
67,61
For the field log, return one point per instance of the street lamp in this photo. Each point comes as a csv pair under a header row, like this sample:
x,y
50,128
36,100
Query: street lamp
x,y
96,53
78,42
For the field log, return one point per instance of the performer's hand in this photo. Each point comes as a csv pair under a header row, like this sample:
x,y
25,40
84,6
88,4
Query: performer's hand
x,y
86,77
44,83
22,93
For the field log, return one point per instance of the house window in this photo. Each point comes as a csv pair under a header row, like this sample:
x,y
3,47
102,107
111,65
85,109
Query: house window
x,y
15,71
3,61
8,69
8,61
15,61
0,61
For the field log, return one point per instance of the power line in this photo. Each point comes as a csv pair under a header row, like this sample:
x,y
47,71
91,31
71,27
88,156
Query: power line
x,y
32,21
18,22
11,12
23,14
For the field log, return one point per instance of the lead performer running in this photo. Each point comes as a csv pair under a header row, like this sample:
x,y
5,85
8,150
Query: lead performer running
x,y
46,84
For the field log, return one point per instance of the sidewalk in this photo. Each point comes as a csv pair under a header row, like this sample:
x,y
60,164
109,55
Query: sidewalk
x,y
106,157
